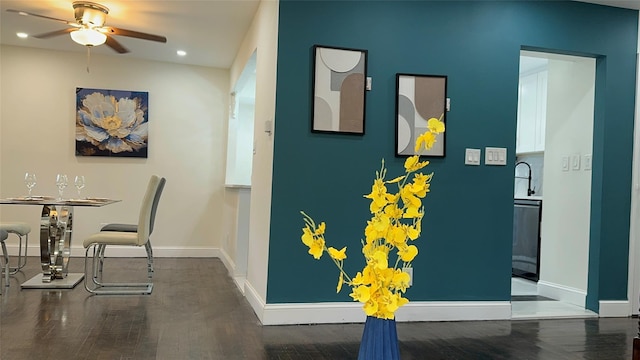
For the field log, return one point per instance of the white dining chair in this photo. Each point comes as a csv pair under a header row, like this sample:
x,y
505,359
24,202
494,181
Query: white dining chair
x,y
94,243
134,228
21,230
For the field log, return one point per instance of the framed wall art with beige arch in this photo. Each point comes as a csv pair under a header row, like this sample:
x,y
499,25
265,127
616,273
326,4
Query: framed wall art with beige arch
x,y
338,90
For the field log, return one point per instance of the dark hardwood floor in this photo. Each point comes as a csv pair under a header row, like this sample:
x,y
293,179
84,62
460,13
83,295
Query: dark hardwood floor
x,y
196,312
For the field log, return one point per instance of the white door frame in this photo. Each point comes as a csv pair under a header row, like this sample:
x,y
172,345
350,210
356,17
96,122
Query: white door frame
x,y
633,288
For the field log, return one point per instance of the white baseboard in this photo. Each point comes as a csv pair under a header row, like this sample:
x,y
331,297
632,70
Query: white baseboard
x,y
614,308
227,261
562,293
454,311
239,279
347,312
129,251
255,300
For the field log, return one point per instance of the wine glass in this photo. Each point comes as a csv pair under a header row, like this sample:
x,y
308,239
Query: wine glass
x,y
30,181
79,182
61,183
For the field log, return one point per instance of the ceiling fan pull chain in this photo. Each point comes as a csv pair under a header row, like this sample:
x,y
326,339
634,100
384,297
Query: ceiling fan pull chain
x,y
88,57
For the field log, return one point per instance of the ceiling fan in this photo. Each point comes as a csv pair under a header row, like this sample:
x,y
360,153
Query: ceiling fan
x,y
89,29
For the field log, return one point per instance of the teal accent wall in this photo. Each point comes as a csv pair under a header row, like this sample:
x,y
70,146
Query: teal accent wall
x,y
465,249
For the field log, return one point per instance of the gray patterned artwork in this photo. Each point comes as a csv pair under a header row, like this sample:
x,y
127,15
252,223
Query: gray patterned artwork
x,y
339,90
419,98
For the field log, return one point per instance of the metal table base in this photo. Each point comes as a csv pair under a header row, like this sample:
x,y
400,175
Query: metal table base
x,y
68,282
56,224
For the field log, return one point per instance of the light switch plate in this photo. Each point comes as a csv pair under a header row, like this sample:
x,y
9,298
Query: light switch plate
x,y
495,156
409,270
472,157
575,162
565,163
268,127
587,162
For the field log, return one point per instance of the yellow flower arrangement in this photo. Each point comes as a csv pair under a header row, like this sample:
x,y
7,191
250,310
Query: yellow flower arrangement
x,y
396,219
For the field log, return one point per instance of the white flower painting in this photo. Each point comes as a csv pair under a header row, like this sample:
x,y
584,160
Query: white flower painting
x,y
111,123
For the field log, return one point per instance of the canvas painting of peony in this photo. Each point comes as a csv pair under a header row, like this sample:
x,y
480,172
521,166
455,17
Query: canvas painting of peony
x,y
112,123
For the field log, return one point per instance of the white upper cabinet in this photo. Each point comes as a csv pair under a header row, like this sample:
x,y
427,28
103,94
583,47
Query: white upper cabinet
x,y
532,112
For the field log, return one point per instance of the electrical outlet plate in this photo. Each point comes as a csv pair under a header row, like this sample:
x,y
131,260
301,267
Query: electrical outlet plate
x,y
410,272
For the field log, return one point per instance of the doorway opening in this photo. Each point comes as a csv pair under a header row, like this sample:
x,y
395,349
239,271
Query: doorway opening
x,y
552,185
240,150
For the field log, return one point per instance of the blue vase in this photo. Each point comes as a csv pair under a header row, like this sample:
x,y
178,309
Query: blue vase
x,y
379,340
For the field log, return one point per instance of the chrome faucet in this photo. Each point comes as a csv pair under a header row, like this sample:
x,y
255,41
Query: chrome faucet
x,y
530,191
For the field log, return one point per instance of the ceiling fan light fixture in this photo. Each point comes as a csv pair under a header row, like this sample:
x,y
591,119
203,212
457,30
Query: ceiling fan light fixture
x,y
88,37
90,14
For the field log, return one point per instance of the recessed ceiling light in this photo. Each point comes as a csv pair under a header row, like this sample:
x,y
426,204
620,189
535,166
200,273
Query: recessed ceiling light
x,y
181,53
22,35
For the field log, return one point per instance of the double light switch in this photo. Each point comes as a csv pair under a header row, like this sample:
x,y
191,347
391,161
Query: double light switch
x,y
492,156
495,156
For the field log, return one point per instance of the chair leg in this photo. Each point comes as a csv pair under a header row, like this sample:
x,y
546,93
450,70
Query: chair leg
x,y
96,272
100,288
6,263
101,251
1,278
150,270
6,272
22,260
1,264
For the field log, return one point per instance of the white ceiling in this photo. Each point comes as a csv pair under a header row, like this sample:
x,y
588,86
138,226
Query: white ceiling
x,y
210,31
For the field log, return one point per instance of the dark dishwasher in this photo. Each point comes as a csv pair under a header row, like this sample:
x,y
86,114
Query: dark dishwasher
x,y
525,259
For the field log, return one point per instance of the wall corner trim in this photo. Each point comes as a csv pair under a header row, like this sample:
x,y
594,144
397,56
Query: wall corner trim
x,y
255,300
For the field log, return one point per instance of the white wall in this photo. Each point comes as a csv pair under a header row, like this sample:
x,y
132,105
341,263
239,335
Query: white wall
x,y
244,153
262,37
240,144
567,194
187,141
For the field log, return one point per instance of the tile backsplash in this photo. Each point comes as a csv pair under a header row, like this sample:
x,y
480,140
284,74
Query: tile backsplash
x,y
522,172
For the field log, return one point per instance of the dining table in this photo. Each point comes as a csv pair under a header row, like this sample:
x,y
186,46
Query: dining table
x,y
56,228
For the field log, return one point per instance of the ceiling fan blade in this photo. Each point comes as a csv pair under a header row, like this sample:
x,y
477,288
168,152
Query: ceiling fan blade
x,y
54,33
24,13
134,34
115,45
